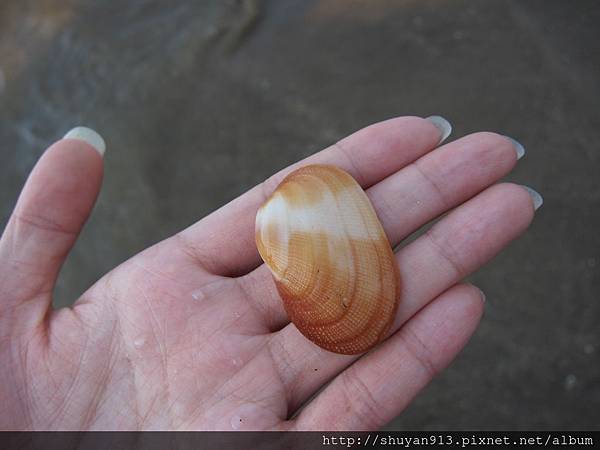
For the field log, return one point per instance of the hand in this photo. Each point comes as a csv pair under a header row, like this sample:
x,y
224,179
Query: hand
x,y
191,334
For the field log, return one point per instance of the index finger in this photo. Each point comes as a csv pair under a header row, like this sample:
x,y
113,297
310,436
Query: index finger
x,y
223,242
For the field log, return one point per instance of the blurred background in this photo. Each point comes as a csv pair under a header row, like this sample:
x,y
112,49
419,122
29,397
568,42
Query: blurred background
x,y
199,101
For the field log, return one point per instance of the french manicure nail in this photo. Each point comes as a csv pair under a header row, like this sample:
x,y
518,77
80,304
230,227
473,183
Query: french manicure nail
x,y
443,125
535,197
89,136
518,147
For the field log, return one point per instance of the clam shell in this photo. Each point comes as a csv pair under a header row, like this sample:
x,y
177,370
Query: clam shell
x,y
330,258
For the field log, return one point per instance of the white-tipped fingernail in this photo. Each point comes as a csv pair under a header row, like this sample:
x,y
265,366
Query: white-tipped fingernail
x,y
482,295
443,125
518,147
535,197
87,135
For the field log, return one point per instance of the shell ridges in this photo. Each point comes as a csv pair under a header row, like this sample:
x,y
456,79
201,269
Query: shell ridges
x,y
330,258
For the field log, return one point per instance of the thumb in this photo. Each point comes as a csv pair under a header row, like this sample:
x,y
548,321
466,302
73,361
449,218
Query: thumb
x,y
52,208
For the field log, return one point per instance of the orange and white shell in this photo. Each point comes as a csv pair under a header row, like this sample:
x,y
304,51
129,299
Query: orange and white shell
x,y
331,260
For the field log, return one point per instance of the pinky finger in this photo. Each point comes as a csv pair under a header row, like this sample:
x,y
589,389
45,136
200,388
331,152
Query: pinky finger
x,y
376,388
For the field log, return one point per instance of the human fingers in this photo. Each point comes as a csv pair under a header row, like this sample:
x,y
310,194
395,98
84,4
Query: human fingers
x,y
377,387
453,248
223,242
412,197
53,206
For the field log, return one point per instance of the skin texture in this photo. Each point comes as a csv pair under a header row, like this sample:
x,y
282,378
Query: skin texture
x,y
191,334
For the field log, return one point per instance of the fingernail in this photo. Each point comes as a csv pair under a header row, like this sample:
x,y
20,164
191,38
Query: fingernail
x,y
482,295
518,147
441,124
535,197
87,135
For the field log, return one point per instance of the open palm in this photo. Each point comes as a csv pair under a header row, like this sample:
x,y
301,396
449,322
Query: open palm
x,y
191,333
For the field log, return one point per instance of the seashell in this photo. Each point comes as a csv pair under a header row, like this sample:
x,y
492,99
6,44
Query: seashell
x,y
331,261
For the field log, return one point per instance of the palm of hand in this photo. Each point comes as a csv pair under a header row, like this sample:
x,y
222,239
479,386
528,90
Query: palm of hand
x,y
159,352
190,335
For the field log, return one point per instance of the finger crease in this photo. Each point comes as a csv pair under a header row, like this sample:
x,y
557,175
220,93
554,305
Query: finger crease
x,y
355,170
281,359
433,183
417,349
192,252
42,224
356,389
442,250
256,306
